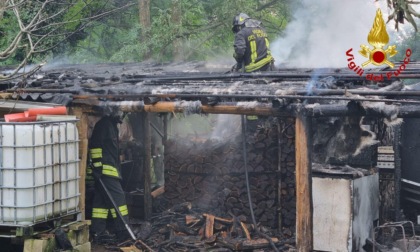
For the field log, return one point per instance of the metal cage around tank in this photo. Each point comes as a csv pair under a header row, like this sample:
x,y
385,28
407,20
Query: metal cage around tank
x,y
39,171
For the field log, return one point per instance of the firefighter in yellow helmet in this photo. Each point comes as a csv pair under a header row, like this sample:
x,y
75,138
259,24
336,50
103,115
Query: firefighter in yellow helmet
x,y
251,45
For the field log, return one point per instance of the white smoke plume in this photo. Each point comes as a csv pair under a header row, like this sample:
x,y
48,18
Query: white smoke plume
x,y
322,31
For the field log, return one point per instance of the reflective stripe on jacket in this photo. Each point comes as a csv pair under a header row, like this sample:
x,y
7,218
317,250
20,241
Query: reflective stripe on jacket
x,y
104,149
252,48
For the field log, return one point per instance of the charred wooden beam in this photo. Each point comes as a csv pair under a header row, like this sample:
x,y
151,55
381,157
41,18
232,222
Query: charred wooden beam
x,y
397,172
304,207
165,129
155,79
243,244
251,108
147,163
211,99
318,110
245,108
279,169
82,128
205,96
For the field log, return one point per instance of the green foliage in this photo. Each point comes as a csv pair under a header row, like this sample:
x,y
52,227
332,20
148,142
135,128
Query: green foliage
x,y
203,29
412,43
74,14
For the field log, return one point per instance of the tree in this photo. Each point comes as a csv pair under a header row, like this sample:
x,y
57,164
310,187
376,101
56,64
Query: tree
x,y
403,9
176,18
144,18
33,28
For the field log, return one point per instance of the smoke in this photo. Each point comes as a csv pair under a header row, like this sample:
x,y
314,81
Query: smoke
x,y
214,127
226,127
322,31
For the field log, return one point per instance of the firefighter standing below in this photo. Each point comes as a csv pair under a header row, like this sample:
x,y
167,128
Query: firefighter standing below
x,y
104,153
251,45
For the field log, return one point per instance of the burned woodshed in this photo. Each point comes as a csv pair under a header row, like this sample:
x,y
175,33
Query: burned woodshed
x,y
200,145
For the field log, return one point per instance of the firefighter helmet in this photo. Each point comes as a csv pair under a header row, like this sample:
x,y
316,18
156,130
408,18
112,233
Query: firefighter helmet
x,y
238,21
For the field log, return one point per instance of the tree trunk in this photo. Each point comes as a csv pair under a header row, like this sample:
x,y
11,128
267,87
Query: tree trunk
x,y
144,18
3,4
177,20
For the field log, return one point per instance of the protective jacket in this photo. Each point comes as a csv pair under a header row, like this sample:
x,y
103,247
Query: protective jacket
x,y
252,46
104,150
104,153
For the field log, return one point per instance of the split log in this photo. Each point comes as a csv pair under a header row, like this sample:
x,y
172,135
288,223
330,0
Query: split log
x,y
243,244
184,207
132,248
191,219
209,226
246,231
222,220
158,191
181,229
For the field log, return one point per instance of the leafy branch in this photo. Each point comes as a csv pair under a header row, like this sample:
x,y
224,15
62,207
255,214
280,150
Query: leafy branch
x,y
40,26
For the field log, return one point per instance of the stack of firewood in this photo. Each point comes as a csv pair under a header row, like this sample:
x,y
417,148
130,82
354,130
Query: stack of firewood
x,y
287,164
211,173
184,228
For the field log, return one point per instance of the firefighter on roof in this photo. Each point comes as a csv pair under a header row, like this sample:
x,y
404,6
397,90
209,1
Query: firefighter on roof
x,y
251,45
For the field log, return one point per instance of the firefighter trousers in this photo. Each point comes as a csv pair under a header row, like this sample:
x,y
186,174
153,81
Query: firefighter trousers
x,y
102,207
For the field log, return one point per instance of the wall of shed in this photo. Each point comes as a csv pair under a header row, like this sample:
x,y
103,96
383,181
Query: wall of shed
x,y
344,212
332,214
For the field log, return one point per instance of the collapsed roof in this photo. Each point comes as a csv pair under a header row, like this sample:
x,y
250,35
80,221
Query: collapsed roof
x,y
196,84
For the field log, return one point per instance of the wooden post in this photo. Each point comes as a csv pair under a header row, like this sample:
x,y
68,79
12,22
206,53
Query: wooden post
x,y
279,203
397,172
165,129
82,127
147,158
304,207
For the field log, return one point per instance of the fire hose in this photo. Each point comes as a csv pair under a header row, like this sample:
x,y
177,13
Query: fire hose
x,y
268,238
117,210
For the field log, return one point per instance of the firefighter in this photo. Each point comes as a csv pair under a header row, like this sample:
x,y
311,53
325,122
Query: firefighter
x,y
251,45
104,153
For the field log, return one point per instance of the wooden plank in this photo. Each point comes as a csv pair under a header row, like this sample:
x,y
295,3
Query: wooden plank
x,y
245,229
191,219
209,226
223,220
258,243
132,248
279,156
82,127
304,207
241,244
165,128
259,109
147,162
158,192
80,225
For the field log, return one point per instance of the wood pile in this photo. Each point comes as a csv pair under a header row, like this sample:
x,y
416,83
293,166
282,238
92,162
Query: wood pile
x,y
287,185
184,228
211,174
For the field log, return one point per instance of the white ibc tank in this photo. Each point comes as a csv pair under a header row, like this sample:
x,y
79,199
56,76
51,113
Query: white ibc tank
x,y
39,171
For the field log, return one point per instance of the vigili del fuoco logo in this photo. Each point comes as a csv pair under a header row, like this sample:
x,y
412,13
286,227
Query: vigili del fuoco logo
x,y
377,54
